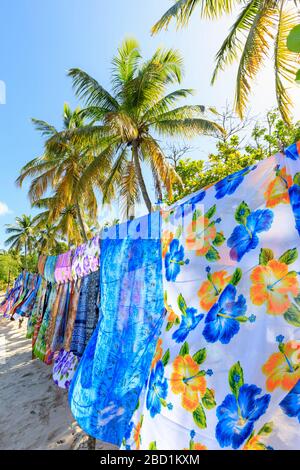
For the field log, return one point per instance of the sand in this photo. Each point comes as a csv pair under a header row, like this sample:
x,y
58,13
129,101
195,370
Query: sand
x,y
34,412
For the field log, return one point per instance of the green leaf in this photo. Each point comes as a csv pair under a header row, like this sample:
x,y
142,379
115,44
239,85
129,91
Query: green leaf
x,y
196,215
242,213
209,400
199,416
166,357
241,319
177,321
289,256
236,277
212,254
296,178
219,239
200,356
297,79
293,39
211,211
266,429
292,315
178,232
152,445
169,325
181,304
184,349
236,378
265,255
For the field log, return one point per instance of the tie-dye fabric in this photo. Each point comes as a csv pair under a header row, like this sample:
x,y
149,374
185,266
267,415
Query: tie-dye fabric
x,y
36,309
64,367
62,271
41,264
115,365
50,268
227,361
74,299
40,346
86,258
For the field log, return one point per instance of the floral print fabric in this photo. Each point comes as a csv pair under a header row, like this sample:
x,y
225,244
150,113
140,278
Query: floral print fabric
x,y
86,258
62,271
64,367
227,360
50,268
115,364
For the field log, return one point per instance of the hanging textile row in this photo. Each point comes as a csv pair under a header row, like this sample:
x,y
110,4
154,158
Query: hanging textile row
x,y
180,329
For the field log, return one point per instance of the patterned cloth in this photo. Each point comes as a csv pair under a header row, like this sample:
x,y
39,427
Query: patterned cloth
x,y
40,346
78,341
26,307
74,299
50,268
36,309
64,367
62,271
59,326
229,351
86,258
114,367
41,264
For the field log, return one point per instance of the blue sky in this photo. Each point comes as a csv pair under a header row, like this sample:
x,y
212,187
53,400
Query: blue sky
x,y
40,41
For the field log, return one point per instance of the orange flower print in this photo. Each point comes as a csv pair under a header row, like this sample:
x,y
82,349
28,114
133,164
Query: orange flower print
x,y
272,284
186,381
211,289
283,368
158,353
277,191
200,235
198,446
167,237
254,444
137,434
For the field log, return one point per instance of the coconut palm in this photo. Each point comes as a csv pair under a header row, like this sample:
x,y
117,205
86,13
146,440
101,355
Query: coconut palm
x,y
259,31
22,234
59,169
128,121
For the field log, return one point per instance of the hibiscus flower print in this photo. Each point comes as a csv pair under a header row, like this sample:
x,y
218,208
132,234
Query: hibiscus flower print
x,y
174,260
188,381
282,369
255,441
202,236
291,403
277,190
229,184
157,390
293,151
294,193
239,410
167,237
244,237
189,320
211,289
223,320
158,353
272,282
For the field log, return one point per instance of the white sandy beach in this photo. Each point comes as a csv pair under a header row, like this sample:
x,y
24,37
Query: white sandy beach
x,y
34,412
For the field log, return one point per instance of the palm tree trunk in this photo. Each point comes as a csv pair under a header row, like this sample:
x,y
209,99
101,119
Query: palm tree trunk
x,y
140,176
83,232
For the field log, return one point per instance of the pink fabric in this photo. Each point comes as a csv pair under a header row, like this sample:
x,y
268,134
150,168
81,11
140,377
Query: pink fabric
x,y
63,267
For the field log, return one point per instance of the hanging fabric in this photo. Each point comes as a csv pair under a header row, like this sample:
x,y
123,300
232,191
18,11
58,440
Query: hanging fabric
x,y
229,351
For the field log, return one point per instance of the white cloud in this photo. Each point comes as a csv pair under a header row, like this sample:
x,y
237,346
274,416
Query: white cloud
x,y
4,209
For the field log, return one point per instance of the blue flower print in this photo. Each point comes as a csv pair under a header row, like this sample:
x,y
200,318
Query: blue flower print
x,y
294,193
238,415
223,319
292,152
244,237
229,184
291,403
158,390
174,259
189,321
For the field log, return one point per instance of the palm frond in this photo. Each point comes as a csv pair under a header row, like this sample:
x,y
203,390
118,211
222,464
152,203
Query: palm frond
x,y
125,63
187,127
88,89
182,10
285,61
46,129
255,50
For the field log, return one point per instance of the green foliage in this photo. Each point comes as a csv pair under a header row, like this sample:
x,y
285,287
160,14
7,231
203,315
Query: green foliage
x,y
10,266
266,139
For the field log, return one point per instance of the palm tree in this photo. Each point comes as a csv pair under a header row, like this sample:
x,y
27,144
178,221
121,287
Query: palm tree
x,y
22,234
259,31
127,121
59,169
